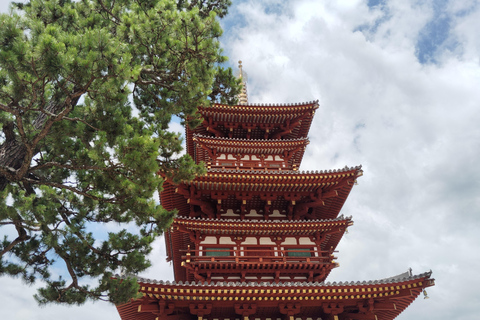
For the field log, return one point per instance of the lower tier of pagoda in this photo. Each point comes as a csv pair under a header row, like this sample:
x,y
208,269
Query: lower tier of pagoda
x,y
374,300
208,250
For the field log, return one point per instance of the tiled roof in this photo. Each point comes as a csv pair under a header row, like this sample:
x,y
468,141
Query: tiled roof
x,y
256,105
338,219
253,141
285,172
267,227
403,277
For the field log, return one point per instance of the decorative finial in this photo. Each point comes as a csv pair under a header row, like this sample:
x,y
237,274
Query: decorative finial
x,y
242,97
240,68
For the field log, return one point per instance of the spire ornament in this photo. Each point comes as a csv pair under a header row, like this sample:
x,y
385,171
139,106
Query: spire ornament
x,y
242,97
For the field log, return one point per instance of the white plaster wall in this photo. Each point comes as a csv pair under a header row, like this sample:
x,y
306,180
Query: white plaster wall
x,y
209,240
266,241
249,241
226,240
306,240
290,241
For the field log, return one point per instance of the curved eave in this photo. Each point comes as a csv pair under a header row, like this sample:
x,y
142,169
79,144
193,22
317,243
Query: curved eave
x,y
422,280
387,297
277,179
249,146
252,227
260,108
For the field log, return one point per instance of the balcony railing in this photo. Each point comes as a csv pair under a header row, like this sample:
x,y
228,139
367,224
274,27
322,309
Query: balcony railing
x,y
258,256
249,164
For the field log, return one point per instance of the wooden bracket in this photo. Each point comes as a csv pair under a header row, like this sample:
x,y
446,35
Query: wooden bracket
x,y
245,309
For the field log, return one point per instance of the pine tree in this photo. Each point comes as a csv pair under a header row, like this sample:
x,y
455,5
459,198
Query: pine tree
x,y
87,91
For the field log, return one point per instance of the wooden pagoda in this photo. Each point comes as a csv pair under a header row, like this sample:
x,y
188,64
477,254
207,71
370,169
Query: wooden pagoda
x,y
255,238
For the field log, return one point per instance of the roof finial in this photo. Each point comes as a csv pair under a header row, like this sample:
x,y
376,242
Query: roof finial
x,y
240,67
242,97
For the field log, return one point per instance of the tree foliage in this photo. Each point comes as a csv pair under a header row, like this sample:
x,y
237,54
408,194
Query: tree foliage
x,y
76,155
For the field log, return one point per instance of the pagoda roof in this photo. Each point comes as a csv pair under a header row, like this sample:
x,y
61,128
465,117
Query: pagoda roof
x,y
281,180
145,283
320,174
249,146
250,112
222,144
378,299
262,227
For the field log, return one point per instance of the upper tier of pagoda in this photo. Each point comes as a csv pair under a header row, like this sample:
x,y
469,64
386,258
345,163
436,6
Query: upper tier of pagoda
x,y
254,122
248,154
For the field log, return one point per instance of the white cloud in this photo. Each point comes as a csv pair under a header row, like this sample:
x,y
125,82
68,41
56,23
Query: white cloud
x,y
414,127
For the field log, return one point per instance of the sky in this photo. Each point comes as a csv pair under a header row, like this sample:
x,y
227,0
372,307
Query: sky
x,y
398,83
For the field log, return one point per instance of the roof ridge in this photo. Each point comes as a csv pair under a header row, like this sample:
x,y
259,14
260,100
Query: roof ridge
x,y
198,135
339,218
291,104
329,171
281,284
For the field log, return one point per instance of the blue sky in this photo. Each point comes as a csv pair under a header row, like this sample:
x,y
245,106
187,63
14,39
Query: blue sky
x,y
398,86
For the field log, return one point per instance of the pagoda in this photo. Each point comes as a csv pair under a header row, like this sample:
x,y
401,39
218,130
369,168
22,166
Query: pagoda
x,y
255,237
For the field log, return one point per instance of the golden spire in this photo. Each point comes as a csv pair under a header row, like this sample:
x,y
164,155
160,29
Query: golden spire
x,y
242,97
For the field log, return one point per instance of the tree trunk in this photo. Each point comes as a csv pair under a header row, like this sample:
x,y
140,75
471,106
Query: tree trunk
x,y
12,154
13,151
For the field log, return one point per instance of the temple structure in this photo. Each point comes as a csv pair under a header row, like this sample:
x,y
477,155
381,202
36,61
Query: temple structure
x,y
255,237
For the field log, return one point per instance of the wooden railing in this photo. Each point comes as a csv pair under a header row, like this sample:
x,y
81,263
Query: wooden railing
x,y
246,164
258,256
